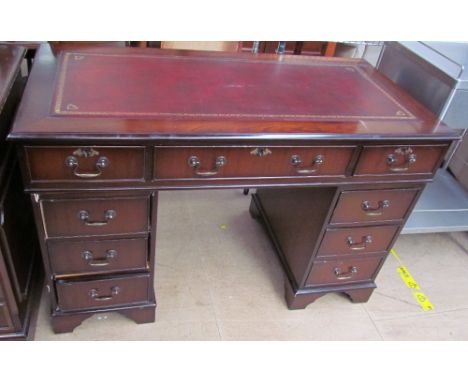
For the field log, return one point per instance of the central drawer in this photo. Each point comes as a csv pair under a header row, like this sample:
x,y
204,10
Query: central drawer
x,y
352,241
86,257
117,291
251,161
77,217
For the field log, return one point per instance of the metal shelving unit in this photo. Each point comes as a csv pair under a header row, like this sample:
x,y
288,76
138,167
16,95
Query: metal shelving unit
x,y
435,73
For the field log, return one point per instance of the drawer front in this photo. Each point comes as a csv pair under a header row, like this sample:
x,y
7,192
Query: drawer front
x,y
102,293
86,257
70,217
373,206
85,164
352,241
399,160
344,271
229,162
5,320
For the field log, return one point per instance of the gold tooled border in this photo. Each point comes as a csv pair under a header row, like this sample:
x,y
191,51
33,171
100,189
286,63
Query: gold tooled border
x,y
296,60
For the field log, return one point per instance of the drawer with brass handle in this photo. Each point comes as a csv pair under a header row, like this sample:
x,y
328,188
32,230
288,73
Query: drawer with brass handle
x,y
79,164
73,257
343,271
77,217
349,241
250,161
400,160
125,290
373,206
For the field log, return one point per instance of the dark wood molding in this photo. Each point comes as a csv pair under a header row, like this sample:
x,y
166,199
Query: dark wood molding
x,y
20,266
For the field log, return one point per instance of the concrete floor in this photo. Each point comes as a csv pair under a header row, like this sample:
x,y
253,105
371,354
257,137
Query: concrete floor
x,y
217,278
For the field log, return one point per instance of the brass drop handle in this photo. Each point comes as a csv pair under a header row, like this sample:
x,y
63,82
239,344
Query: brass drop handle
x,y
261,152
345,275
108,216
195,163
374,211
88,256
408,159
93,293
359,246
72,162
296,161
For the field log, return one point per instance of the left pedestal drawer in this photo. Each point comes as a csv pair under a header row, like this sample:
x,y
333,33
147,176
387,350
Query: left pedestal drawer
x,y
125,290
81,257
99,216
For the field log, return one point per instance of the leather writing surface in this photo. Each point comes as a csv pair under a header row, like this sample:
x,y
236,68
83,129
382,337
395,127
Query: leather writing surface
x,y
148,86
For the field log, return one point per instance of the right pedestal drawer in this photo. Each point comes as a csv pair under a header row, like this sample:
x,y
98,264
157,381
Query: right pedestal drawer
x,y
344,271
353,241
373,206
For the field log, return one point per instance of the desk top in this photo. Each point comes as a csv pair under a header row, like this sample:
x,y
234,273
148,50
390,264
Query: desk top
x,y
149,86
10,61
159,94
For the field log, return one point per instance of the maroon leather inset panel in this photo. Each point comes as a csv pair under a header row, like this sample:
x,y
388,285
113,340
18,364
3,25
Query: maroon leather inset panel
x,y
149,86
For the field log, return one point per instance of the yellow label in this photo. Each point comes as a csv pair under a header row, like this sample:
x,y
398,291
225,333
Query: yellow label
x,y
411,283
407,278
392,251
423,301
223,226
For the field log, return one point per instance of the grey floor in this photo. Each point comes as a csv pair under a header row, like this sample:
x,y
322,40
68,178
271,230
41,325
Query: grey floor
x,y
217,278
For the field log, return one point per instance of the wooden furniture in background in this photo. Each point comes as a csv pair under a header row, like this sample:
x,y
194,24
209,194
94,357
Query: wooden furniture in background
x,y
338,154
60,45
29,46
226,46
306,48
19,259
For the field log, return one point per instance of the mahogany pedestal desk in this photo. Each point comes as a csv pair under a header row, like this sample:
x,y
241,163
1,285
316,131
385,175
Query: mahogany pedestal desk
x,y
338,155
